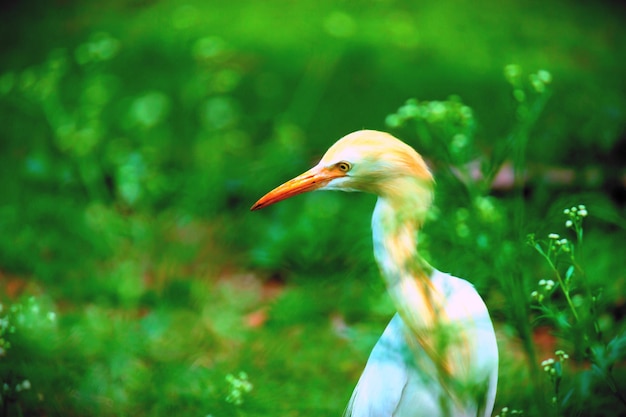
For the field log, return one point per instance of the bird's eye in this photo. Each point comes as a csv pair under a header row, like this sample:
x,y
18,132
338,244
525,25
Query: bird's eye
x,y
344,166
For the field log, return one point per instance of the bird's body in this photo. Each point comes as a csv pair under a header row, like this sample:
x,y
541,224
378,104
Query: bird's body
x,y
402,381
438,355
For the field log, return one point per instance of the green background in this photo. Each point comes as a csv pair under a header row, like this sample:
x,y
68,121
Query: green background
x,y
135,135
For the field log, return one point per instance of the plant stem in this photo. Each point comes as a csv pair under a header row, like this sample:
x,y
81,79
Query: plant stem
x,y
565,291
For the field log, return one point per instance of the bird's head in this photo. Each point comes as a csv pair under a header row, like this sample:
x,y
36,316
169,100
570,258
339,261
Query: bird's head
x,y
366,160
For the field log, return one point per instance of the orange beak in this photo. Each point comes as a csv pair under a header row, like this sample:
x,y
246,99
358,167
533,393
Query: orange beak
x,y
313,179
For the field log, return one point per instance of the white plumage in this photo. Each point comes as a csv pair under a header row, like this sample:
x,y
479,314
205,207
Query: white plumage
x,y
401,381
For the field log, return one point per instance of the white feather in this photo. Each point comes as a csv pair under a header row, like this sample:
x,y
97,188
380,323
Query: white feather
x,y
400,381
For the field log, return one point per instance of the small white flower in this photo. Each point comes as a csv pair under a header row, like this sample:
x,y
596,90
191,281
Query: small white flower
x,y
554,236
569,223
561,354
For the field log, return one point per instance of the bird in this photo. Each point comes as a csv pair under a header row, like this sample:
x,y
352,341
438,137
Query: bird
x,y
438,356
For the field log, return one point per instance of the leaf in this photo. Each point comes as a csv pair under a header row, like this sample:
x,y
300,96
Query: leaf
x,y
539,249
616,349
569,273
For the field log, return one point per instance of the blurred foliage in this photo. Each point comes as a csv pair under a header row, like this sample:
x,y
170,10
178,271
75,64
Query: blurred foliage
x,y
135,135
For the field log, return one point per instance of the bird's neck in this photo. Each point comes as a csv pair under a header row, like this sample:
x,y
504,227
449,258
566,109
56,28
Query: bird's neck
x,y
395,224
421,305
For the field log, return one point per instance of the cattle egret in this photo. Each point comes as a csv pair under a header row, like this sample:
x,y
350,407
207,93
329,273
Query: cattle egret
x,y
438,355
